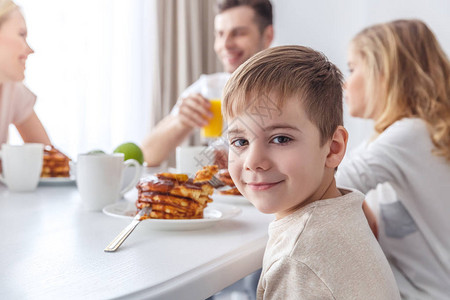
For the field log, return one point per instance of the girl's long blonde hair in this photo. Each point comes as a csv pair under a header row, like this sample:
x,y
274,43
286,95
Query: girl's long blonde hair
x,y
6,6
409,74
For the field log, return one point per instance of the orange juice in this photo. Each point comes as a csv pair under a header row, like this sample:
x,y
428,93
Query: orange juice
x,y
214,128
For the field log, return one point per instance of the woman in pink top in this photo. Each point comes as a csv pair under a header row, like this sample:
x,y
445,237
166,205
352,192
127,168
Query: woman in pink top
x,y
16,100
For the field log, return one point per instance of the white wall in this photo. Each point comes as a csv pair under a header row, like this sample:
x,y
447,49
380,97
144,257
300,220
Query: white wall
x,y
328,26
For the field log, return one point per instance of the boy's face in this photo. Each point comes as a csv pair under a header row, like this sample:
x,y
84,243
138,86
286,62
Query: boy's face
x,y
276,160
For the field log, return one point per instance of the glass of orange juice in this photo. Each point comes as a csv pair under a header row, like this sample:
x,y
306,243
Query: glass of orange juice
x,y
214,128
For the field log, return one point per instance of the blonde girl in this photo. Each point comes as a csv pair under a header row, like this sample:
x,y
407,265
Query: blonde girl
x,y
400,78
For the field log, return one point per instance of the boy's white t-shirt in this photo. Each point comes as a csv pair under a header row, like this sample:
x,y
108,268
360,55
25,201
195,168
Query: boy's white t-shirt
x,y
325,250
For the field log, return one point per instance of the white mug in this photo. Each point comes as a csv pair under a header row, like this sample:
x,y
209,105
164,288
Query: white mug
x,y
191,159
99,178
128,175
22,166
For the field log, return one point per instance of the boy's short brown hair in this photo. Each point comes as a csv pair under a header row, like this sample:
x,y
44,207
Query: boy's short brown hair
x,y
285,72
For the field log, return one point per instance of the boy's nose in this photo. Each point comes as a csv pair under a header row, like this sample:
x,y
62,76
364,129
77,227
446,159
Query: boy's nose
x,y
257,159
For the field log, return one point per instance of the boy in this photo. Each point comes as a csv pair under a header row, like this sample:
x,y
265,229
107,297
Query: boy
x,y
284,114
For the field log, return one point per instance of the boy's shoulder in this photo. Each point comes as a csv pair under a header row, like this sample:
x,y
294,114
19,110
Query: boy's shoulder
x,y
333,221
350,200
331,239
315,224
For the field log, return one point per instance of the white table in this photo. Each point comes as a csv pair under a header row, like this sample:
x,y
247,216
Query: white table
x,y
52,249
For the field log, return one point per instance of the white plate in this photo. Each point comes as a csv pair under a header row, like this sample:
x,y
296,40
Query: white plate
x,y
57,180
212,214
230,199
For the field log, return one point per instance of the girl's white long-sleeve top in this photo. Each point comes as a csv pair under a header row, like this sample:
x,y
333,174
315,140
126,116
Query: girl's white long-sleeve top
x,y
408,187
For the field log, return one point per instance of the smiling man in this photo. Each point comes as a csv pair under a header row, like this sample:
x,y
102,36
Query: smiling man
x,y
242,28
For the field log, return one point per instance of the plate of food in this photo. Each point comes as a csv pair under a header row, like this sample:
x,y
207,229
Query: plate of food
x,y
230,199
56,167
70,179
229,193
212,214
178,202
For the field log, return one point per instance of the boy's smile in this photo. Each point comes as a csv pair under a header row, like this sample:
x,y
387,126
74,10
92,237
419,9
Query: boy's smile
x,y
277,162
261,186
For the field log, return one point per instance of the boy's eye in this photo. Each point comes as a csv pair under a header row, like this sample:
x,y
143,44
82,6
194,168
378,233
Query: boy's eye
x,y
239,143
281,139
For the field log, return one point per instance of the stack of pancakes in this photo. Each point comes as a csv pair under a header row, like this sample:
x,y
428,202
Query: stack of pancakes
x,y
224,175
55,163
175,196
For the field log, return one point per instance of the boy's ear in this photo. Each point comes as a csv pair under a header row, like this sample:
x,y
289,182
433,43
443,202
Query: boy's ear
x,y
338,146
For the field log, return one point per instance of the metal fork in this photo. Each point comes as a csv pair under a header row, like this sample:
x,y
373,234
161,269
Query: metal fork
x,y
217,183
119,239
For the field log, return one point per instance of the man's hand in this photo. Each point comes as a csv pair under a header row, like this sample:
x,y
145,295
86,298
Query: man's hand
x,y
191,112
194,111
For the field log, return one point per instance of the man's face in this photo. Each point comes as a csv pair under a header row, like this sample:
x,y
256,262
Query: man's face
x,y
237,37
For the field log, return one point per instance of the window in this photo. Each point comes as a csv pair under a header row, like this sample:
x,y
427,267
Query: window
x,y
91,70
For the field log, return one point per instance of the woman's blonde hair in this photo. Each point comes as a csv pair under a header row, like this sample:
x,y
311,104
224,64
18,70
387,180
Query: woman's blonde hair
x,y
6,6
408,73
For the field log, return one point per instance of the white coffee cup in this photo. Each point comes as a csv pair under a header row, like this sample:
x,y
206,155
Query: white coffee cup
x,y
22,166
191,159
128,175
99,178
